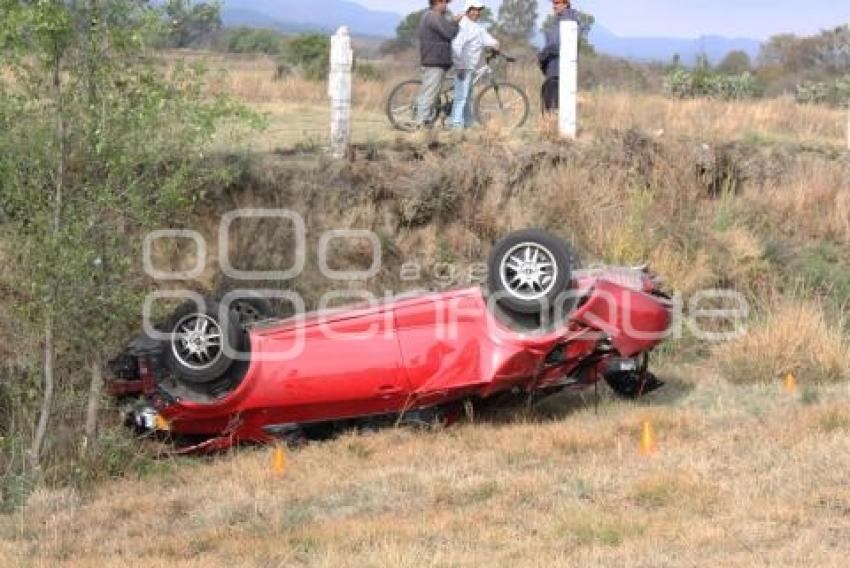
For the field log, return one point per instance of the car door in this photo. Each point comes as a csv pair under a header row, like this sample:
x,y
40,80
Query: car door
x,y
443,341
347,365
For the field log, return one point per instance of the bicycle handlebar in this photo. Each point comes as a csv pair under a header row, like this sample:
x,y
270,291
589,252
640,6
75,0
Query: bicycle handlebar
x,y
495,53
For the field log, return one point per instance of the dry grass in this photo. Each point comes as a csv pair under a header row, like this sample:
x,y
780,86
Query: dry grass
x,y
302,128
683,270
795,336
814,204
781,119
744,475
251,78
747,475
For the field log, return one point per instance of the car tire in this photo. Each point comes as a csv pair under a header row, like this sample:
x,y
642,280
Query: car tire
x,y
250,307
529,271
199,338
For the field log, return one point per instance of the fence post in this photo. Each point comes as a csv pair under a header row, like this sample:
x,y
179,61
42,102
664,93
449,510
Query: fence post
x,y
339,91
568,88
848,125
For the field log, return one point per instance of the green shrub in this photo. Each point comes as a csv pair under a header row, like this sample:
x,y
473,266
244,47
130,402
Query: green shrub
x,y
96,152
685,84
604,71
835,92
15,482
252,40
824,267
308,53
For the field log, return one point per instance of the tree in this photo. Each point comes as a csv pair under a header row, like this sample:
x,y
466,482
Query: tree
x,y
736,62
516,20
784,51
189,22
827,53
99,146
407,32
831,50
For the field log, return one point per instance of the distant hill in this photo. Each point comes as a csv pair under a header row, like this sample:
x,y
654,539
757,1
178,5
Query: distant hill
x,y
663,48
309,15
291,16
234,17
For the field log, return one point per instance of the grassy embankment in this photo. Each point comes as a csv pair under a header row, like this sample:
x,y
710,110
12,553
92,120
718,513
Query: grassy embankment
x,y
749,196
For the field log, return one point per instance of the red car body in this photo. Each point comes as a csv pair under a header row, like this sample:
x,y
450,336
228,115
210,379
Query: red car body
x,y
417,353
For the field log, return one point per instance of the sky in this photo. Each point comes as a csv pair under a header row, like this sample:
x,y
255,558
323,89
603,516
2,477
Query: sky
x,y
757,19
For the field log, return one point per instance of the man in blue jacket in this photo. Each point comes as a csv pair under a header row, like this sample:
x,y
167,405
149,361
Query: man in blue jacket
x,y
549,57
436,33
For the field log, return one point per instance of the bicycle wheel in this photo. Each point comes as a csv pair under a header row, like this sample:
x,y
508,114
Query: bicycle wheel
x,y
401,105
503,105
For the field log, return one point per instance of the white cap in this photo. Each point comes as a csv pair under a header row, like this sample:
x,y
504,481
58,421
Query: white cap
x,y
473,4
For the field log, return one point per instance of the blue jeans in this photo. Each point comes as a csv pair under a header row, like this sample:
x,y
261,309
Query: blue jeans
x,y
462,109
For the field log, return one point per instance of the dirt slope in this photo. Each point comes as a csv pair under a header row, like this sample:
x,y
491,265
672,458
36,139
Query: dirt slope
x,y
747,475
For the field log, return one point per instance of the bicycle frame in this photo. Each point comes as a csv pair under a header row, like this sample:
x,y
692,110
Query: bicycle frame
x,y
479,77
483,79
485,71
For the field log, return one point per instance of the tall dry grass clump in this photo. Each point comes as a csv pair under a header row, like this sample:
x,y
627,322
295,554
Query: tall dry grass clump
x,y
684,269
712,119
814,203
794,336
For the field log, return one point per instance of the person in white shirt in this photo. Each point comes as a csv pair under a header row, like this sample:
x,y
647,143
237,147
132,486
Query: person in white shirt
x,y
466,52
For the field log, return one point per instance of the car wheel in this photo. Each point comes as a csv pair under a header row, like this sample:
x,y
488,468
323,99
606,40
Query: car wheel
x,y
198,341
529,270
251,308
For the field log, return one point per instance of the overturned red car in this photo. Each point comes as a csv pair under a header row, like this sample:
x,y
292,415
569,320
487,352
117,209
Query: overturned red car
x,y
539,326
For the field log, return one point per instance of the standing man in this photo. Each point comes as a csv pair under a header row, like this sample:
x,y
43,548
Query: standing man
x,y
436,33
467,47
549,57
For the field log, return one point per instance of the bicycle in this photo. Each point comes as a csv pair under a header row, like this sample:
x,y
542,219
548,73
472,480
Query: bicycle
x,y
497,102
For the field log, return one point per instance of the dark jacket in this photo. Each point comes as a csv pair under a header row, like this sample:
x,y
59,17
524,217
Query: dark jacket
x,y
549,57
435,40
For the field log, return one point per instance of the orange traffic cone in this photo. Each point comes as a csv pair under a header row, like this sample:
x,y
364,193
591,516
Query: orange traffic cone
x,y
790,384
279,461
648,445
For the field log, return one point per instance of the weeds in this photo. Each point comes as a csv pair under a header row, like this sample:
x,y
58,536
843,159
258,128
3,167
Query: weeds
x,y
468,496
823,267
834,419
588,527
673,490
810,396
795,335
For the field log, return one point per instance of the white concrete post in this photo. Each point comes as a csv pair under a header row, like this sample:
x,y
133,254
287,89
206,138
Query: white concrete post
x,y
568,88
339,91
